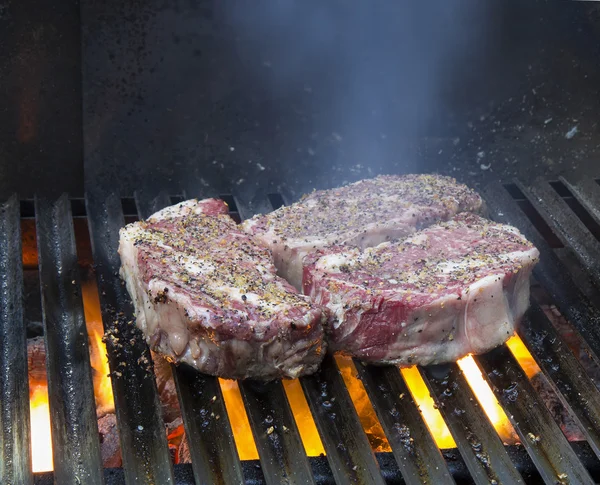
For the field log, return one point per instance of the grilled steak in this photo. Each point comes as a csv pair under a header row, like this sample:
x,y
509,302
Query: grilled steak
x,y
362,214
206,294
455,288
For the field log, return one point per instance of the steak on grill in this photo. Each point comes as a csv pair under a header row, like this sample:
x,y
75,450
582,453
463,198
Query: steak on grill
x,y
206,294
455,288
362,214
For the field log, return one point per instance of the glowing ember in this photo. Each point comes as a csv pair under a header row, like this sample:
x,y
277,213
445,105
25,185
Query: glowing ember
x,y
242,433
431,415
306,426
523,356
93,321
41,436
487,400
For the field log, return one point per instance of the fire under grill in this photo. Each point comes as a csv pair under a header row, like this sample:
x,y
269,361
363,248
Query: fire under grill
x,y
561,218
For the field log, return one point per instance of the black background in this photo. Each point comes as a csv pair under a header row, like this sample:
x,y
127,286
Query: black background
x,y
268,96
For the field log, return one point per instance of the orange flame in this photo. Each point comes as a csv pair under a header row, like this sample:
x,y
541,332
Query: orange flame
x,y
363,405
41,443
433,418
523,356
306,425
93,321
487,400
41,435
242,433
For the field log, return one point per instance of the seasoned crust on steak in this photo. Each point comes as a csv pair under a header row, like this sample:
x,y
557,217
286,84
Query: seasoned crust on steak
x,y
206,294
456,288
362,214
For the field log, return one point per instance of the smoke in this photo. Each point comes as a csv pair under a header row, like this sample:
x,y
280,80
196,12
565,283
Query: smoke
x,y
367,78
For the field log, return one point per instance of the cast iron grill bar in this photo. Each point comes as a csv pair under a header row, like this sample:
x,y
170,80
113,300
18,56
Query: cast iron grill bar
x,y
418,457
148,205
144,449
208,430
282,456
475,437
212,448
576,390
587,193
75,444
549,449
346,444
566,225
550,271
15,457
276,435
249,205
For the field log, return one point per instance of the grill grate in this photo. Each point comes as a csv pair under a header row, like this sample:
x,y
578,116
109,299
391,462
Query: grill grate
x,y
14,390
546,455
70,388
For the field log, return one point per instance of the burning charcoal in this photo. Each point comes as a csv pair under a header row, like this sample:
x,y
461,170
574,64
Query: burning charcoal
x,y
109,441
177,441
183,452
36,361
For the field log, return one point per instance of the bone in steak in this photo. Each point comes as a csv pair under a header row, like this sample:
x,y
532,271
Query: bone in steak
x,y
455,288
206,294
361,214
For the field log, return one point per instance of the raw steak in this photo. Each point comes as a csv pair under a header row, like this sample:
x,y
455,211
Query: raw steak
x,y
362,214
206,294
455,288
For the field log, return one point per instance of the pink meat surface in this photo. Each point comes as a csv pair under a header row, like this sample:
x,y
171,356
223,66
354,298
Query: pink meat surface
x,y
455,288
205,293
362,214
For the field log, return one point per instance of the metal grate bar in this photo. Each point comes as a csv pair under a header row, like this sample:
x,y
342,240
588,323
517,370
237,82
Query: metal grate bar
x,y
208,430
15,454
249,206
148,205
567,226
282,456
549,271
72,407
539,433
346,444
415,450
576,389
587,193
280,448
478,443
142,434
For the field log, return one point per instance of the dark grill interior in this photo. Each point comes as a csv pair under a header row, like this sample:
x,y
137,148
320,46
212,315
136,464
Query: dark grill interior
x,y
561,218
